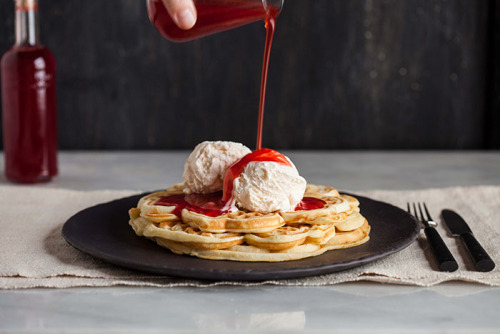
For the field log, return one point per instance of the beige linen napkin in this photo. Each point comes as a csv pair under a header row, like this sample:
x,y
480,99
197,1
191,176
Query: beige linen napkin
x,y
34,254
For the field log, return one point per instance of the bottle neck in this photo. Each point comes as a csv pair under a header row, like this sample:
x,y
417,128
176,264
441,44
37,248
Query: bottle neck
x,y
27,31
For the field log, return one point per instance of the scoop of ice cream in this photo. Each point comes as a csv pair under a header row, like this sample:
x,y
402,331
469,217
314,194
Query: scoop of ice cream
x,y
205,167
268,186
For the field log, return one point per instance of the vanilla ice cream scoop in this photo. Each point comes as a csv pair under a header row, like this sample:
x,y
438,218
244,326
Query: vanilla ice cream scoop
x,y
268,186
205,167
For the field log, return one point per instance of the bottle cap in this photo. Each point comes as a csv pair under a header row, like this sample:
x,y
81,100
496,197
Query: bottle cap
x,y
26,4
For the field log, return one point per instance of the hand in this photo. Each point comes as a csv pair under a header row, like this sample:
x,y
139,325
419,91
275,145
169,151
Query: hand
x,y
182,12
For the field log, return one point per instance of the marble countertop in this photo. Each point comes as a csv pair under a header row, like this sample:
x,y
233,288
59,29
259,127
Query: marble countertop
x,y
353,307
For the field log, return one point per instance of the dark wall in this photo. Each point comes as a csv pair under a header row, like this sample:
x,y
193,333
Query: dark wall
x,y
373,74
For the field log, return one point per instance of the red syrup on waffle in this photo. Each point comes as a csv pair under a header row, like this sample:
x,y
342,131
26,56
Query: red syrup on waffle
x,y
218,203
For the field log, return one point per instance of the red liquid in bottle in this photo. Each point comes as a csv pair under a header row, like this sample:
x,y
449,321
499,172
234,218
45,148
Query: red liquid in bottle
x,y
29,114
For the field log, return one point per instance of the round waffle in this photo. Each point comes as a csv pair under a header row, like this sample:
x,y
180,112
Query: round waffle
x,y
290,236
315,189
239,221
334,206
352,222
157,213
320,234
252,253
185,234
253,236
350,238
281,238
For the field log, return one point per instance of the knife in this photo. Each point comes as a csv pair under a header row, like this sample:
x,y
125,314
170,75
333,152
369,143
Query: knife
x,y
458,227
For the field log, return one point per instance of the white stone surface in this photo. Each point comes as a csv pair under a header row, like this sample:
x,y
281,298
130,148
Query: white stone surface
x,y
353,307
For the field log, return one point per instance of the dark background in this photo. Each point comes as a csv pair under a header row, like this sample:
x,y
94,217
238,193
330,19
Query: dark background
x,y
371,74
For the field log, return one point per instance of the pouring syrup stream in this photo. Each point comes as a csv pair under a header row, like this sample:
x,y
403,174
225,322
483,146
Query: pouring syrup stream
x,y
270,25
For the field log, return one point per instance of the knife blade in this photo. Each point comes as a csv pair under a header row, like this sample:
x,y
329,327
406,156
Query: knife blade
x,y
458,227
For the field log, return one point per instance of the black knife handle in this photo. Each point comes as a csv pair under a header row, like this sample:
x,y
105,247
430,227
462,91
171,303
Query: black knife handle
x,y
481,259
446,261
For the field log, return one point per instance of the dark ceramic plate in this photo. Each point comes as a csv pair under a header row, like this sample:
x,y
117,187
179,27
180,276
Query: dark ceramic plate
x,y
103,232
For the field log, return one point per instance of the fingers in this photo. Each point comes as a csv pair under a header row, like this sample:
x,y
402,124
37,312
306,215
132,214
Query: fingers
x,y
182,12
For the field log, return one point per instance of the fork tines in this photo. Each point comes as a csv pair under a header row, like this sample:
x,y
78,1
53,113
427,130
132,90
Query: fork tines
x,y
427,221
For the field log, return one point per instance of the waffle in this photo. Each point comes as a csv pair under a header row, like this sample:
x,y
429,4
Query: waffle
x,y
333,206
315,189
253,236
159,213
251,253
185,234
284,237
239,221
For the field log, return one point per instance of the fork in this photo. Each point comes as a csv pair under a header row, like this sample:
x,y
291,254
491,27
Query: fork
x,y
445,260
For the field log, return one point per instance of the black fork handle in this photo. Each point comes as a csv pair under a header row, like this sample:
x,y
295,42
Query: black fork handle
x,y
444,258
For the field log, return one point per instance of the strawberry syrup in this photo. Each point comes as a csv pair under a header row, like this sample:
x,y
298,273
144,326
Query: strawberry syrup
x,y
210,205
270,28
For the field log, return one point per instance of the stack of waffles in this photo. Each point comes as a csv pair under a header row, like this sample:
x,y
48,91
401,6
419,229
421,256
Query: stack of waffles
x,y
253,236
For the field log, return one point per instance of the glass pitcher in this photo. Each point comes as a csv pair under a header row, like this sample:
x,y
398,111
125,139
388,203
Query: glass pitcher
x,y
212,16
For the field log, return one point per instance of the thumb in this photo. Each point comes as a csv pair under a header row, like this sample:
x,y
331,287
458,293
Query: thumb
x,y
182,12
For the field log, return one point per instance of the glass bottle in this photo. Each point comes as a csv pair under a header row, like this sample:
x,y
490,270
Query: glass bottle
x,y
29,102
